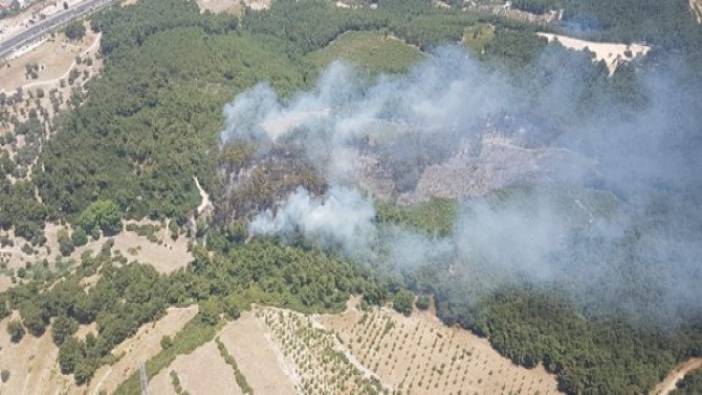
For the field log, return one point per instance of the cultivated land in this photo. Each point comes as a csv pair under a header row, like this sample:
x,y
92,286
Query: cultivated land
x,y
279,351
420,355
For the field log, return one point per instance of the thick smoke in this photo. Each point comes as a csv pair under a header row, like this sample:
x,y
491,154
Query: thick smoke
x,y
604,204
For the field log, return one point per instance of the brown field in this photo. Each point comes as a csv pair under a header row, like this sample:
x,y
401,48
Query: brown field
x,y
201,372
259,360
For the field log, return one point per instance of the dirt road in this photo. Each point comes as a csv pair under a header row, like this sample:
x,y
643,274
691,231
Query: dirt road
x,y
668,384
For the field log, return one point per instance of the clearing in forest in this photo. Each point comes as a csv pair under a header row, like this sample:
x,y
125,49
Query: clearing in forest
x,y
476,37
613,54
374,51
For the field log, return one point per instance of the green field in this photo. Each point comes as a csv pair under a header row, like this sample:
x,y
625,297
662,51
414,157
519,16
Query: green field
x,y
476,37
374,51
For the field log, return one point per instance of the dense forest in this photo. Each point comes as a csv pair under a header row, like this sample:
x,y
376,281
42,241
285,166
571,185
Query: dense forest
x,y
151,122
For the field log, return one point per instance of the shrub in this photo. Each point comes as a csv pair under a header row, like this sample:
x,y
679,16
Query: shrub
x,y
79,237
403,301
166,342
423,302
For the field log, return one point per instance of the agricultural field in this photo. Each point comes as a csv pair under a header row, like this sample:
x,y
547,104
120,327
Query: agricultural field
x,y
417,354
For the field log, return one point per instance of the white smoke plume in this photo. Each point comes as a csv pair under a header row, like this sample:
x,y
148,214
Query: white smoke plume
x,y
629,179
340,219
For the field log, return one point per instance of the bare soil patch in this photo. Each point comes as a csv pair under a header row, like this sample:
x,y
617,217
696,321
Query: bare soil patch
x,y
613,54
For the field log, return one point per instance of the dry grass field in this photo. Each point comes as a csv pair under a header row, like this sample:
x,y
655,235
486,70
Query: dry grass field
x,y
250,342
31,363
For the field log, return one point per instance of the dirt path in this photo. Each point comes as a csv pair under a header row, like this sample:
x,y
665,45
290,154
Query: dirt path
x,y
206,203
668,384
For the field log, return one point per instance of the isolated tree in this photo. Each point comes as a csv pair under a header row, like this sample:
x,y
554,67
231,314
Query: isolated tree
x,y
15,330
5,375
166,342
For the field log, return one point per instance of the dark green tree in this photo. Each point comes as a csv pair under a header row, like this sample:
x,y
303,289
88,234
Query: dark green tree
x,y
15,330
402,302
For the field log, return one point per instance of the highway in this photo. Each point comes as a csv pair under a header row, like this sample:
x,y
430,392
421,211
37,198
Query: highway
x,y
49,24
